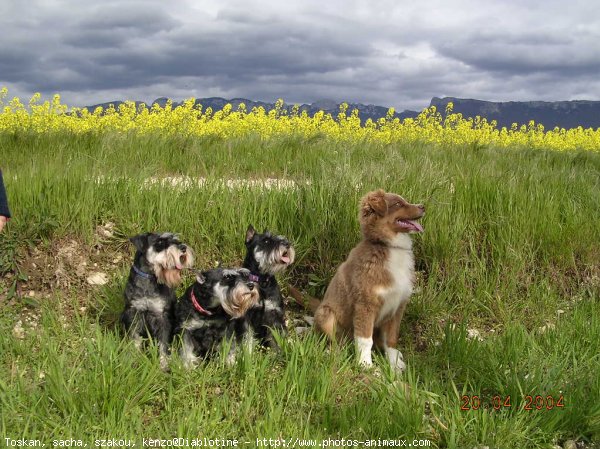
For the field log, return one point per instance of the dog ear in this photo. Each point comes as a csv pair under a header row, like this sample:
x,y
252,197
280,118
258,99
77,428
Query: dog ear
x,y
374,202
250,232
200,279
140,241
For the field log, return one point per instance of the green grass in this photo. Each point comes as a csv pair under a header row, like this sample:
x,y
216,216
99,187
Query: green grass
x,y
511,244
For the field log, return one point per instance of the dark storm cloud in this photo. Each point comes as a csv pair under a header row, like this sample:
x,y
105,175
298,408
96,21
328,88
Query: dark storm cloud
x,y
44,53
245,57
389,53
565,56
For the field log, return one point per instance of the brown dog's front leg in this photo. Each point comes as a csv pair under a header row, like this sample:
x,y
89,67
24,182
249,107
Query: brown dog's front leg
x,y
389,339
364,321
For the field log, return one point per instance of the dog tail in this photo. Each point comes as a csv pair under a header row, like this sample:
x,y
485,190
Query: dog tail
x,y
305,301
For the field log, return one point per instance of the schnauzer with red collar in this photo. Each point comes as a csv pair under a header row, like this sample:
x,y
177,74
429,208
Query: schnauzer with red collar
x,y
211,313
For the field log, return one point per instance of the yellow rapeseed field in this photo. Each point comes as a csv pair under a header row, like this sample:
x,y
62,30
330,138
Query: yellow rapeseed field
x,y
188,119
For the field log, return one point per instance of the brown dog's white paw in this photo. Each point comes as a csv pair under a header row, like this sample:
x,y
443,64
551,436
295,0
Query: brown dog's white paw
x,y
363,350
396,359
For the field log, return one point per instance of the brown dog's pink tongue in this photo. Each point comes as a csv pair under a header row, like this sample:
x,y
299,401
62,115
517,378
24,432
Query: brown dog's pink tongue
x,y
416,225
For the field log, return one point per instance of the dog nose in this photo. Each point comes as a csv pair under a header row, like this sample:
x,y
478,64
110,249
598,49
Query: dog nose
x,y
286,243
183,248
422,207
250,285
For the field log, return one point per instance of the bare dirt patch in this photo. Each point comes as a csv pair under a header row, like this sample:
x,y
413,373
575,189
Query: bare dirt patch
x,y
69,264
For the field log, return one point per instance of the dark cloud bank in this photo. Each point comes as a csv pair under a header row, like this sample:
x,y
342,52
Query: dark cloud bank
x,y
387,53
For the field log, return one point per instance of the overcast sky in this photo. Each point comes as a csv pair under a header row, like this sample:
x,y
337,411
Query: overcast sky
x,y
391,53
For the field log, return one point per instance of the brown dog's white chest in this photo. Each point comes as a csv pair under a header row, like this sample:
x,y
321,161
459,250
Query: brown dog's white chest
x,y
400,266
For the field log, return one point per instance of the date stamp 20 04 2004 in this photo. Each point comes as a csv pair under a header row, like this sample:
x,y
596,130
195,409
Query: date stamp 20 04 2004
x,y
499,402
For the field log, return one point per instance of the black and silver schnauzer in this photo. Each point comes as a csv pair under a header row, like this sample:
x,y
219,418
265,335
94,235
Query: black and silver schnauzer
x,y
150,289
212,312
266,255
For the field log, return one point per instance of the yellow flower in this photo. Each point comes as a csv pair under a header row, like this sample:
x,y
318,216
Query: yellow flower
x,y
190,120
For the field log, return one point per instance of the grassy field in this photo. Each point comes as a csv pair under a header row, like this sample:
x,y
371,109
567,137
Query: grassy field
x,y
507,302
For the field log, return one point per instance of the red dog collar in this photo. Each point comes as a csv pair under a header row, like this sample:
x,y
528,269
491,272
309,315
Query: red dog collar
x,y
197,305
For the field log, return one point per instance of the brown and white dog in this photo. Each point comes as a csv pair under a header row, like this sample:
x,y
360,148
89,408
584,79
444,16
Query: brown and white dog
x,y
369,292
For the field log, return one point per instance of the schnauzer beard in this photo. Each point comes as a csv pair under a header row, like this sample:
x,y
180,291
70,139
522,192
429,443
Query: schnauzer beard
x,y
237,300
271,262
171,277
169,263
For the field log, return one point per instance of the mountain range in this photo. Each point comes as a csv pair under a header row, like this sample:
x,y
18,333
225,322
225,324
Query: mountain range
x,y
564,114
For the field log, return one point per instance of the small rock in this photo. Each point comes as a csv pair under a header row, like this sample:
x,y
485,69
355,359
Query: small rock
x,y
105,233
560,312
309,319
301,330
546,327
42,375
117,259
106,230
97,278
473,334
31,293
570,444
